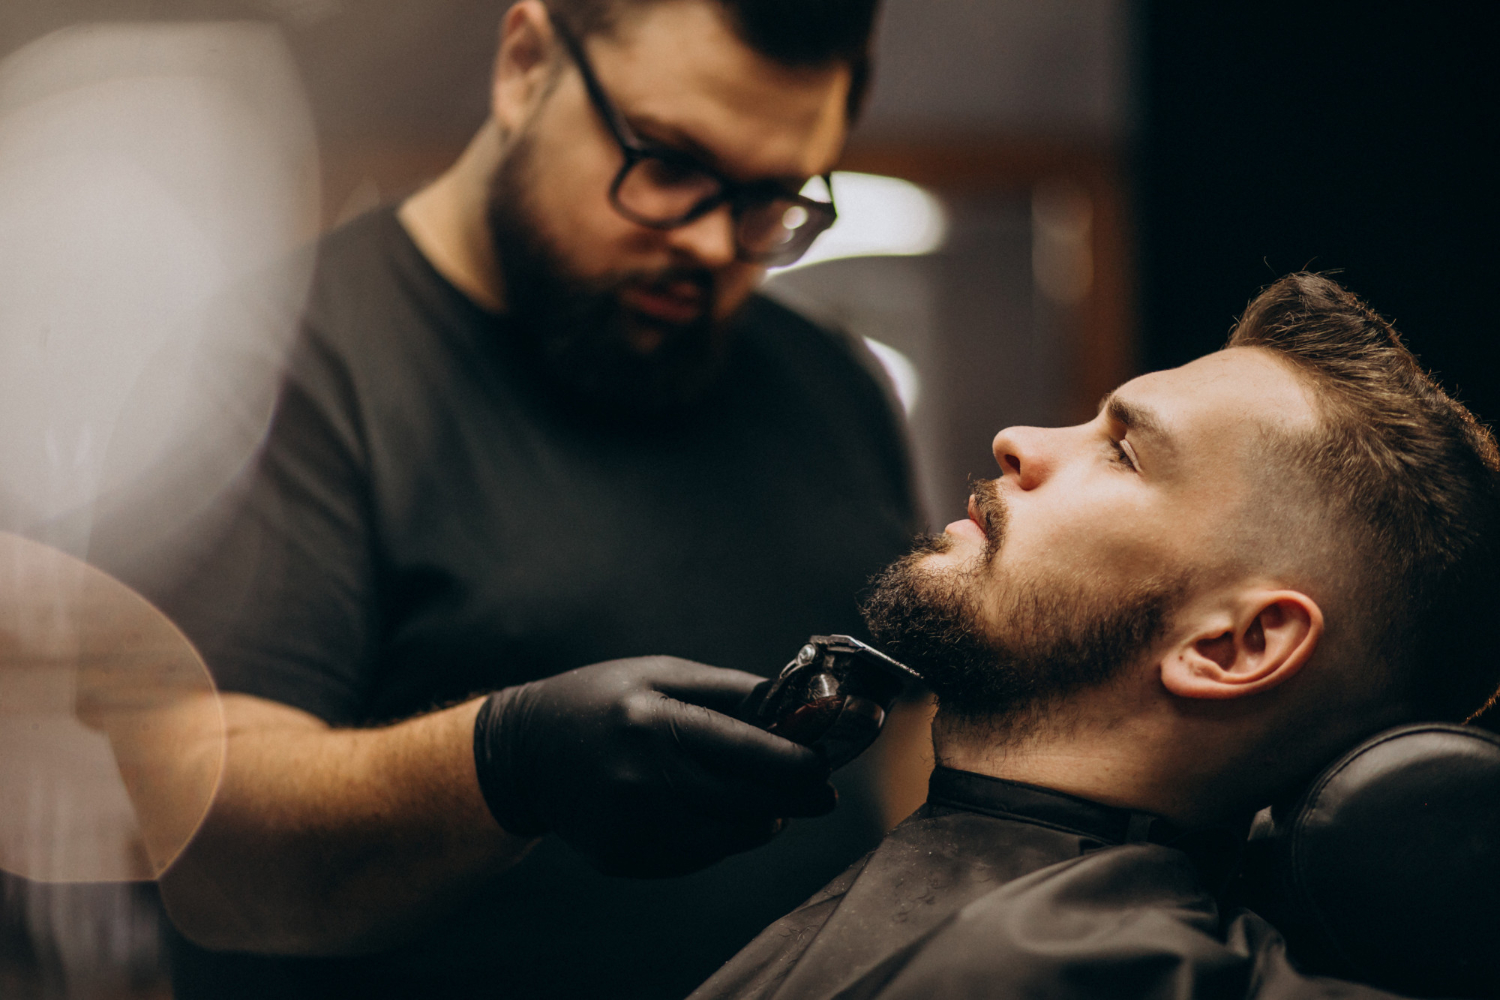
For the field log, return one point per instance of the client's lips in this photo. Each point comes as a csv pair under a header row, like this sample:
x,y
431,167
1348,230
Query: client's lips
x,y
679,301
977,517
973,525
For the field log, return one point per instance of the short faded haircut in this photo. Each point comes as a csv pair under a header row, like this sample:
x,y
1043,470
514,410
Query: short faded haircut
x,y
795,33
1411,481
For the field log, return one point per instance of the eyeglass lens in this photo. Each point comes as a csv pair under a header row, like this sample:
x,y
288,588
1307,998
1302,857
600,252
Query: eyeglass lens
x,y
664,191
661,191
777,227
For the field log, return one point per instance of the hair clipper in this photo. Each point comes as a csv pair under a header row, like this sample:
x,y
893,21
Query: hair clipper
x,y
832,697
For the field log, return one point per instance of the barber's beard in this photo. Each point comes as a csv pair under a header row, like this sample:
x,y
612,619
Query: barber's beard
x,y
587,342
1052,640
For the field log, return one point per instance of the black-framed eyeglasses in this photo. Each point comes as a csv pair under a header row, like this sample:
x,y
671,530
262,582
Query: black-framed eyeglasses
x,y
665,188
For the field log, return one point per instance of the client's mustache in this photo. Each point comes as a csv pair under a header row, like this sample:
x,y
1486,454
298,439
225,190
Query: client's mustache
x,y
994,513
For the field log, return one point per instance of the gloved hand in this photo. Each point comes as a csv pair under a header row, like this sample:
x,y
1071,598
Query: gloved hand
x,y
638,765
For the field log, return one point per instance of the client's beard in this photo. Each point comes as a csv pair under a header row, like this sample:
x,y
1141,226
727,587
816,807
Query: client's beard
x,y
578,328
1052,641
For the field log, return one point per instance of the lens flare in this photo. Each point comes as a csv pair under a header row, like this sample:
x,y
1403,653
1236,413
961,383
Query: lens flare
x,y
147,171
110,729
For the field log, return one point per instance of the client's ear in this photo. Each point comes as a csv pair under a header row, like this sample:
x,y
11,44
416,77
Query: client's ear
x,y
1263,640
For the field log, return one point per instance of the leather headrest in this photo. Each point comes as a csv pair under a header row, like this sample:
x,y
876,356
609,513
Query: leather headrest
x,y
1387,869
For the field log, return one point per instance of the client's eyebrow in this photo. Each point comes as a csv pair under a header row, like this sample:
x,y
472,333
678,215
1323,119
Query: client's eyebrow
x,y
1135,417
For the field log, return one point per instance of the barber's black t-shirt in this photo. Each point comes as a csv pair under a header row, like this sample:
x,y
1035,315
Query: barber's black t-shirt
x,y
428,519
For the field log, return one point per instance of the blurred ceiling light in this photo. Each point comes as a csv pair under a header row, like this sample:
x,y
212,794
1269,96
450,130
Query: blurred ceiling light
x,y
878,216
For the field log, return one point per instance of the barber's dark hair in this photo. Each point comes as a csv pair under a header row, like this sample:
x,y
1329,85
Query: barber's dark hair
x,y
1412,479
797,33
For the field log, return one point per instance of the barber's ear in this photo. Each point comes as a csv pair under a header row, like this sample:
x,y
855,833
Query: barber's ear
x,y
1261,642
523,65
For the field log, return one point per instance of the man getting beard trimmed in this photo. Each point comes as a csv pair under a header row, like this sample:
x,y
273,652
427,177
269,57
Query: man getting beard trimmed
x,y
1052,642
1149,627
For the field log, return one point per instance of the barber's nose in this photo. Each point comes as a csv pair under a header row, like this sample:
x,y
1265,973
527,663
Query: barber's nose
x,y
708,240
1023,455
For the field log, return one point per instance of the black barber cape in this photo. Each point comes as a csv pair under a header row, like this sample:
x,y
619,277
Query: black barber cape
x,y
429,518
998,890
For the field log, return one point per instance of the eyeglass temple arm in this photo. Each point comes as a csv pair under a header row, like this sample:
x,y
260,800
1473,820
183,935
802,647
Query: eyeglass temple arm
x,y
613,120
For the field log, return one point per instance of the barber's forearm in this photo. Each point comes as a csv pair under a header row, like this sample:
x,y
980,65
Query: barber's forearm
x,y
324,841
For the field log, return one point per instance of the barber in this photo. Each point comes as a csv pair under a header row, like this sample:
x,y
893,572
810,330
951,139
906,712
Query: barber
x,y
539,419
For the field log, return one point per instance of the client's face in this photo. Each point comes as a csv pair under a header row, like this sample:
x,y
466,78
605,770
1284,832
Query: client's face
x,y
1071,565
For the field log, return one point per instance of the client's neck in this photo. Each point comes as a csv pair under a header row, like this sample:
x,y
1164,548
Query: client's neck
x,y
1123,765
1080,767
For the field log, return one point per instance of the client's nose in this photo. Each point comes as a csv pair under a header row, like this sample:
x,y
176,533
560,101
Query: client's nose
x,y
1022,456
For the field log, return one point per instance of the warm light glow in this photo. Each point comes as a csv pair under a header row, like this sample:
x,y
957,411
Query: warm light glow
x,y
878,216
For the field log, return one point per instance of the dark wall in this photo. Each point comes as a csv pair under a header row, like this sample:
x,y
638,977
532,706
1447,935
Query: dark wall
x,y
1362,137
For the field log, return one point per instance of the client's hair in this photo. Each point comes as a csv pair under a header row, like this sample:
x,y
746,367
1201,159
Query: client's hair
x,y
1413,483
797,33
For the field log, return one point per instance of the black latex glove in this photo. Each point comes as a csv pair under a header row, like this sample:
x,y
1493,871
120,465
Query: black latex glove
x,y
638,765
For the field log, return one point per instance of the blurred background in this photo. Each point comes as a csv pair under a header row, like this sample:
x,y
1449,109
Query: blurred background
x,y
1101,185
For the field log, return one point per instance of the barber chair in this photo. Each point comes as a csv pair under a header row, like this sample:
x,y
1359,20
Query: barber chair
x,y
1387,869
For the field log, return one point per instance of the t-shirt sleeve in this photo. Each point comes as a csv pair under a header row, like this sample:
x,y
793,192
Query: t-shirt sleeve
x,y
1125,923
276,585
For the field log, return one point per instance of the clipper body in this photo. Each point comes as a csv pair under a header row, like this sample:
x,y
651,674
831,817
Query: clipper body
x,y
833,696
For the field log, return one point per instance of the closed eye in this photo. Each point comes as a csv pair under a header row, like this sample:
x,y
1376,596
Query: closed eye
x,y
1123,453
